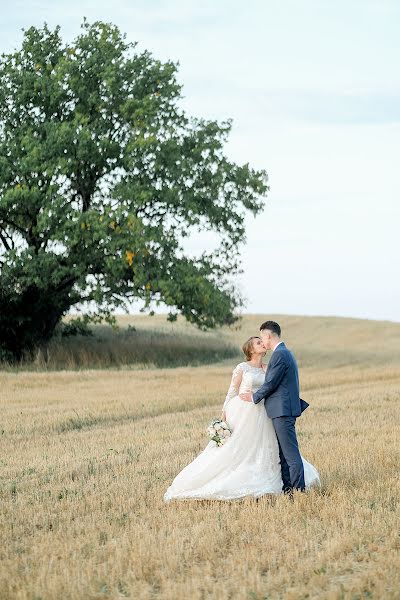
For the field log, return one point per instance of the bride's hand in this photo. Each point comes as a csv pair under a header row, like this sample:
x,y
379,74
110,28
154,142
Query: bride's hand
x,y
246,397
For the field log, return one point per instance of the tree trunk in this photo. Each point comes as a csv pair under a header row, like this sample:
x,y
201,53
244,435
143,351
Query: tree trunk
x,y
29,321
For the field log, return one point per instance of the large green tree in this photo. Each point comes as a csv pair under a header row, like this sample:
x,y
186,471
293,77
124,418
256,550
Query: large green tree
x,y
102,176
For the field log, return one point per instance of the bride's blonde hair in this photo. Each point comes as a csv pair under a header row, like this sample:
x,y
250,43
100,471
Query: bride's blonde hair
x,y
248,346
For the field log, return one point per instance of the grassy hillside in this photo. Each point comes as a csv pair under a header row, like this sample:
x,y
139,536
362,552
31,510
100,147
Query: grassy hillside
x,y
143,341
86,457
331,341
138,342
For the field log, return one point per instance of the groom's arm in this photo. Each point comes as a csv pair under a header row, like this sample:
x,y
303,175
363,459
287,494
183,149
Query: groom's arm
x,y
272,380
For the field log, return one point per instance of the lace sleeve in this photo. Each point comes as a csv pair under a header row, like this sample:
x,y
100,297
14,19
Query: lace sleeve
x,y
235,384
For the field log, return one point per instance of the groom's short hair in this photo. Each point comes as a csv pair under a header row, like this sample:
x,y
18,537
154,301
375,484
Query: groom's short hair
x,y
271,326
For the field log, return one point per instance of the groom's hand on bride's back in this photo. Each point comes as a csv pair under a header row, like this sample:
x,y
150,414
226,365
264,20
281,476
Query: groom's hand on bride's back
x,y
246,396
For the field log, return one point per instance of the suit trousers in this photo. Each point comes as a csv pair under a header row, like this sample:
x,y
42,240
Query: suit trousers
x,y
289,454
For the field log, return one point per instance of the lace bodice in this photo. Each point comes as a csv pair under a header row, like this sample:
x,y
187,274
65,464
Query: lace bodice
x,y
245,378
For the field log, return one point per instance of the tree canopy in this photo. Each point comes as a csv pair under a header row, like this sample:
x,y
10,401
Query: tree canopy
x,y
102,176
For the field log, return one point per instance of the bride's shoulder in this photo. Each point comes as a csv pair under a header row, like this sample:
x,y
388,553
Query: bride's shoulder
x,y
241,367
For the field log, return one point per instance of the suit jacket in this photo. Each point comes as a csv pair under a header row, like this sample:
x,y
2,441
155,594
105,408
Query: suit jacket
x,y
281,386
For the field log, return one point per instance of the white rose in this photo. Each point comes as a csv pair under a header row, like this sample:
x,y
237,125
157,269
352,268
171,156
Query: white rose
x,y
224,424
226,433
213,443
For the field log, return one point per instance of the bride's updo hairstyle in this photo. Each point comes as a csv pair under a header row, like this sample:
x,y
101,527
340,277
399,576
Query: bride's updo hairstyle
x,y
248,346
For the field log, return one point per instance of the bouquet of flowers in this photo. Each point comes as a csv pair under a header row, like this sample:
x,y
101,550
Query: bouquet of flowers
x,y
219,431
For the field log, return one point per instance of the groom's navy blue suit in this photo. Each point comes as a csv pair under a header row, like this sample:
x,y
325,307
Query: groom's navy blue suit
x,y
283,404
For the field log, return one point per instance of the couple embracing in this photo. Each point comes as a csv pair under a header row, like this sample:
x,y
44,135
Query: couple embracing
x,y
262,455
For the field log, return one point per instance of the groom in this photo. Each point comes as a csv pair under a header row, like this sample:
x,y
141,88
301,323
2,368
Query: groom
x,y
283,404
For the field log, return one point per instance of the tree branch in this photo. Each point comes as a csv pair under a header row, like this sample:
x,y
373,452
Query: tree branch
x,y
5,242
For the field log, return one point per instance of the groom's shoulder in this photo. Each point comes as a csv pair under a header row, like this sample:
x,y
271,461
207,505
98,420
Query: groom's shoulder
x,y
291,357
282,352
281,349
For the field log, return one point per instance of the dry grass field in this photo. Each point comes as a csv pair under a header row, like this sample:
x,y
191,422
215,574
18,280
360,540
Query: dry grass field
x,y
85,457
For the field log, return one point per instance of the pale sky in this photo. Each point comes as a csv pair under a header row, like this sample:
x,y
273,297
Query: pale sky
x,y
313,89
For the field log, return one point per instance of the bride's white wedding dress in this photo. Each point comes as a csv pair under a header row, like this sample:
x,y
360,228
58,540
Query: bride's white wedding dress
x,y
248,463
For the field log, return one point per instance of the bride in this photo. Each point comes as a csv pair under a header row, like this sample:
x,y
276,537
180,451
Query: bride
x,y
248,463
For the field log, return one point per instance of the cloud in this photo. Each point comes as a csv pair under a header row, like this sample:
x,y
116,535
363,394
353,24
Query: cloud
x,y
296,105
335,108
